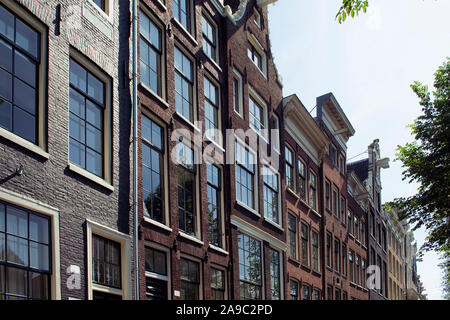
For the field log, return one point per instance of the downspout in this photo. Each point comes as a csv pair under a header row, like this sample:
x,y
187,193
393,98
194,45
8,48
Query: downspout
x,y
135,155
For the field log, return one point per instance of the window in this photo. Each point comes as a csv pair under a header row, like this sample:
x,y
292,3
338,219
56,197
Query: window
x,y
330,293
245,176
350,224
190,279
214,187
184,84
209,31
217,284
333,155
255,56
156,274
100,4
378,233
237,93
351,265
88,119
316,294
337,254
152,169
292,228
337,295
182,11
257,18
344,295
302,179
106,263
271,195
384,239
357,270
250,267
257,115
151,53
306,292
289,168
329,244
305,244
341,164
25,267
363,273
313,190
22,72
275,275
276,137
186,189
212,113
315,251
372,222
343,209
293,289
356,227
344,260
335,203
328,195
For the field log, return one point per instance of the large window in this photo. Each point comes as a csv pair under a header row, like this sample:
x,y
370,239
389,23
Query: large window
x,y
182,11
150,54
356,218
343,207
190,279
306,292
292,228
217,284
245,176
257,117
363,233
293,289
184,84
106,263
211,110
315,251
255,56
237,93
214,186
337,255
329,250
336,202
250,267
305,244
275,275
313,190
186,189
271,195
327,195
152,169
358,269
209,31
25,266
87,104
351,265
316,294
344,260
156,274
289,158
350,222
302,179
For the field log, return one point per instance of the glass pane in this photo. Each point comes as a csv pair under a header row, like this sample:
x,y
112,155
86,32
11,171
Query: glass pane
x,y
39,257
24,96
160,262
39,229
27,38
38,286
77,128
6,23
94,138
77,153
76,103
2,247
5,56
16,281
17,251
77,76
17,222
145,73
156,135
156,161
24,68
146,178
6,115
2,217
144,25
5,85
178,59
96,88
94,162
154,35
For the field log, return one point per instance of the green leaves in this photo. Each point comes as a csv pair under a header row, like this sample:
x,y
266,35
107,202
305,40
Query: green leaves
x,y
351,8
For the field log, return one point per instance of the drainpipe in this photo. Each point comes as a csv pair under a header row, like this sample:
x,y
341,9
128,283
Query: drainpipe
x,y
135,164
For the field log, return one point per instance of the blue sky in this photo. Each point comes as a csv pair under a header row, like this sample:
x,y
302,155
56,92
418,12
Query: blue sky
x,y
368,63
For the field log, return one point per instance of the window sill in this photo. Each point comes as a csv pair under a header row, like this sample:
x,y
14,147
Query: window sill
x,y
213,62
191,238
154,94
218,249
187,121
240,115
293,260
162,5
23,143
251,210
259,134
316,213
218,146
108,17
90,176
276,225
186,32
317,272
105,289
157,224
292,192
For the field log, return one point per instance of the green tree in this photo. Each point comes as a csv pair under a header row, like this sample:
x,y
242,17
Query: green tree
x,y
350,8
427,162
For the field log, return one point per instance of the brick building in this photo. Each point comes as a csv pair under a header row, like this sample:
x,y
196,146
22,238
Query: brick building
x,y
64,151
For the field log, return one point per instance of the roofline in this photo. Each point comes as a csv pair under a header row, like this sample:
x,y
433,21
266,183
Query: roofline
x,y
330,96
